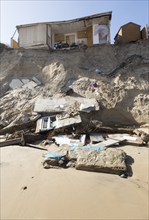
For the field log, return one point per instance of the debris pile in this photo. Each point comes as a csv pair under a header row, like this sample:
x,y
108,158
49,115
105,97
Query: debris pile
x,y
71,109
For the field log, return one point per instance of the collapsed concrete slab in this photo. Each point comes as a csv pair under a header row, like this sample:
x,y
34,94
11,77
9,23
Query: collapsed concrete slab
x,y
107,161
25,80
36,81
65,104
30,85
75,151
63,122
25,83
49,105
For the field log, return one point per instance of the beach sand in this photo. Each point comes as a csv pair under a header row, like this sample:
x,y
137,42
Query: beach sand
x,y
28,191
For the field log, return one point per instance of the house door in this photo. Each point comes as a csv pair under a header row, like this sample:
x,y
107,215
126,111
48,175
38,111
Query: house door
x,y
70,39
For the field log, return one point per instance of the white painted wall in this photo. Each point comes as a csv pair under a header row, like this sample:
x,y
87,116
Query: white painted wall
x,y
32,35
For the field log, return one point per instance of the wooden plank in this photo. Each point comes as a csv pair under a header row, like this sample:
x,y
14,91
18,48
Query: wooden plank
x,y
11,142
36,146
29,125
110,142
89,35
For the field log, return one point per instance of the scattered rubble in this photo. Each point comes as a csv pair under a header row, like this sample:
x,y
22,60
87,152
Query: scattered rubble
x,y
144,136
46,99
24,83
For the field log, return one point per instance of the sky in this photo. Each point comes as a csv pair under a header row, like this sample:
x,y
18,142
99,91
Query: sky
x,y
17,12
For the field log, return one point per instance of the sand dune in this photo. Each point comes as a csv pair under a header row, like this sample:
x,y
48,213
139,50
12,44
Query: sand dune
x,y
28,191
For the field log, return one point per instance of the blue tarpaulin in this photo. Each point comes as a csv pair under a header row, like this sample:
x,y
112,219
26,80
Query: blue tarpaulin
x,y
53,155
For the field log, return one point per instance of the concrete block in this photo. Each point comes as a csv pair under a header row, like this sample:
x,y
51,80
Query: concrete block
x,y
15,83
25,81
30,85
36,81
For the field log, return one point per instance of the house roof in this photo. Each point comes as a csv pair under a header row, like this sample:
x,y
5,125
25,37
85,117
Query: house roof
x,y
86,18
126,25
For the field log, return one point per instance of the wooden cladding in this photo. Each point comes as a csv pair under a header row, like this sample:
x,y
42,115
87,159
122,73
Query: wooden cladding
x,y
59,37
81,34
89,36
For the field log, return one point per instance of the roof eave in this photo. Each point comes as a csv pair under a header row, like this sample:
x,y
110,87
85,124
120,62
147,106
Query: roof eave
x,y
69,21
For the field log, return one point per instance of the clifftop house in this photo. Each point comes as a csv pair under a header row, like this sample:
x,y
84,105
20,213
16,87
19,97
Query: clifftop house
x,y
89,30
130,32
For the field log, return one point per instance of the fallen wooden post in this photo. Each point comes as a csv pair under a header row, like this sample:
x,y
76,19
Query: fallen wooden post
x,y
11,142
35,146
25,126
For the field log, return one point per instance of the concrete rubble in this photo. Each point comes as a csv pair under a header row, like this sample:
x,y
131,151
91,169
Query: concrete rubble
x,y
52,118
103,156
64,104
108,161
87,108
24,83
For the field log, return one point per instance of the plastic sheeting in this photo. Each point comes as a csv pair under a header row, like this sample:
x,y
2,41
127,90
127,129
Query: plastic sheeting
x,y
102,30
52,154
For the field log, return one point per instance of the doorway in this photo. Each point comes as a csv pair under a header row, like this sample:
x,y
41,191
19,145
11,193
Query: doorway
x,y
70,39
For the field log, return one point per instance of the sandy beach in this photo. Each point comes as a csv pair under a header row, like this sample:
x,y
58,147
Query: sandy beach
x,y
28,191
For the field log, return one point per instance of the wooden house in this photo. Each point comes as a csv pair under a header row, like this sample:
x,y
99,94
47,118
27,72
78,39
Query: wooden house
x,y
129,32
89,30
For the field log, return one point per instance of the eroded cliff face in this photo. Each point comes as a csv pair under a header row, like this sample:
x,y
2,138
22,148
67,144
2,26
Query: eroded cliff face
x,y
117,76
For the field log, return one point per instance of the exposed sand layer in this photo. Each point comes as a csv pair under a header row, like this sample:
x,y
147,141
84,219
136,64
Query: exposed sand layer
x,y
120,73
28,191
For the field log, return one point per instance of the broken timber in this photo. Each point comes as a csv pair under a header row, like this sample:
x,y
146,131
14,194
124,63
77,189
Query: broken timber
x,y
35,146
25,139
11,129
15,141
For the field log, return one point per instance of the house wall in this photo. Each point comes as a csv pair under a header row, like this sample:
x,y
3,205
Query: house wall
x,y
144,33
118,39
59,37
81,34
79,37
80,31
49,36
130,33
14,44
33,35
89,36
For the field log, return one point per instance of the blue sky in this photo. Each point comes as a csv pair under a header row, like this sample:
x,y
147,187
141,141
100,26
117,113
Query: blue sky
x,y
27,11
